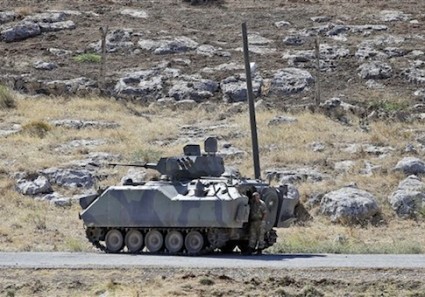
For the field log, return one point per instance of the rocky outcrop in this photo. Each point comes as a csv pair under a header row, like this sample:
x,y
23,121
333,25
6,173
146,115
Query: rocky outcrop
x,y
135,13
169,45
69,177
7,16
409,198
234,88
33,185
21,31
193,88
375,70
290,81
411,165
349,205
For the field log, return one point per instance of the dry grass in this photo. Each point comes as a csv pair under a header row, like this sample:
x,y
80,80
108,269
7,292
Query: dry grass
x,y
7,99
149,133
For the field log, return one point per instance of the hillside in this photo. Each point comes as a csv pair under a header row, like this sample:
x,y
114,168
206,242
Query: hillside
x,y
172,75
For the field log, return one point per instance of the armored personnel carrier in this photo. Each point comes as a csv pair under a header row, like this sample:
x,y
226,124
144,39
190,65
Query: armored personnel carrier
x,y
192,209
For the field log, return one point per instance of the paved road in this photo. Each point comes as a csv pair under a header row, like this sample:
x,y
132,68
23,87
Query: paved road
x,y
100,260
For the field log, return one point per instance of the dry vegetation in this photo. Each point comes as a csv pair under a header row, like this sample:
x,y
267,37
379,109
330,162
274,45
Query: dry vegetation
x,y
149,132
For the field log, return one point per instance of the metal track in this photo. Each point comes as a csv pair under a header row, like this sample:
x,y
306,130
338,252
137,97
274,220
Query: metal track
x,y
270,239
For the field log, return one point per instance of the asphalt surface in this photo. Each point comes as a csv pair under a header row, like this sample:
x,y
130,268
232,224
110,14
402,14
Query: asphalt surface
x,y
100,260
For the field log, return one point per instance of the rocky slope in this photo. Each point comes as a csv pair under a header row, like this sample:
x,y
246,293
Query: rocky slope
x,y
368,53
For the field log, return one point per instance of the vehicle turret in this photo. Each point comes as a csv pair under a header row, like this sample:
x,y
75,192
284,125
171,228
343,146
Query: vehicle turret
x,y
191,165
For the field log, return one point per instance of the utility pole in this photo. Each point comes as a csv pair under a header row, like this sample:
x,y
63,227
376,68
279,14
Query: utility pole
x,y
253,124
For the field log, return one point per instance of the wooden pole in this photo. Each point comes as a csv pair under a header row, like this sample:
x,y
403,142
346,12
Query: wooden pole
x,y
254,138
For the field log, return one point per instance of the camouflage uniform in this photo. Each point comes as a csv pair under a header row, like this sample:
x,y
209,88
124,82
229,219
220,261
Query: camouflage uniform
x,y
257,224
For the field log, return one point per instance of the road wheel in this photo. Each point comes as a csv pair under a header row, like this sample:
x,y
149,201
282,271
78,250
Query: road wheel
x,y
154,241
194,242
114,241
174,241
134,241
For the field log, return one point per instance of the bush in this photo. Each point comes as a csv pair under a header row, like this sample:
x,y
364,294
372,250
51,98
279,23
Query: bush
x,y
7,99
37,128
88,58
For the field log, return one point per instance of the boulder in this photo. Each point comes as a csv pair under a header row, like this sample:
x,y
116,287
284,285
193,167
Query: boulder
x,y
41,65
21,31
392,16
209,51
34,186
366,52
193,88
414,75
349,205
290,81
135,13
46,17
234,88
69,177
168,46
409,198
375,70
293,40
58,26
7,16
411,165
141,85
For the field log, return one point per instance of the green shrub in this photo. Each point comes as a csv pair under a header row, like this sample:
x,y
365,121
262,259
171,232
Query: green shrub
x,y
7,99
387,106
37,128
88,58
206,281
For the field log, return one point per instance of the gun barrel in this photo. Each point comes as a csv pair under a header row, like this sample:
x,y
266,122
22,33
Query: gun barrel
x,y
145,165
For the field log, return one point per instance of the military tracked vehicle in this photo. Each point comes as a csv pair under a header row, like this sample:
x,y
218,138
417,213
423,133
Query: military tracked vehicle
x,y
195,207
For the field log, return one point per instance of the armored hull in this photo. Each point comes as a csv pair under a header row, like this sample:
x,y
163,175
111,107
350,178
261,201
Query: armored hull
x,y
193,209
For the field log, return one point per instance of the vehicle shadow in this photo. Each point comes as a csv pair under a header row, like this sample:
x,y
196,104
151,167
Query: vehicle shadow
x,y
263,257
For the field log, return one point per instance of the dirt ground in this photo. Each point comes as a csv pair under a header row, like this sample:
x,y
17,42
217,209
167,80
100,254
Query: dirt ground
x,y
217,24
213,282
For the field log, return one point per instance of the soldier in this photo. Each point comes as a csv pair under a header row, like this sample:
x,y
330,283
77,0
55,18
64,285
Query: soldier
x,y
257,224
